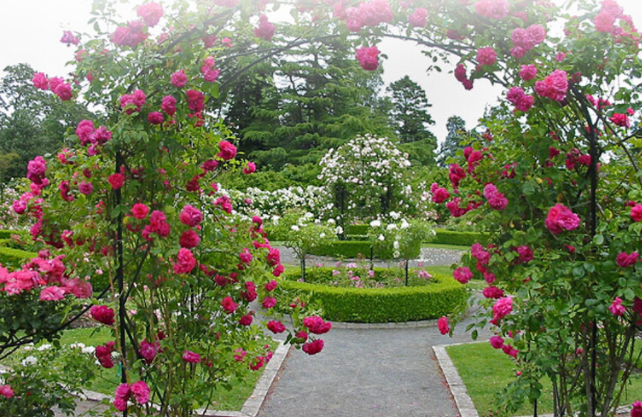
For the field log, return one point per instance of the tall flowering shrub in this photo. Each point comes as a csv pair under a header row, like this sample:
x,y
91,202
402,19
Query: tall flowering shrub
x,y
132,201
366,178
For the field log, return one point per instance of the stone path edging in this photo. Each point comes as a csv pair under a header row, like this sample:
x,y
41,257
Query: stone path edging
x,y
455,384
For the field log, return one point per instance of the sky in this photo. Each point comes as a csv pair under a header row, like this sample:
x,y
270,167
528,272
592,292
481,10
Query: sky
x,y
31,29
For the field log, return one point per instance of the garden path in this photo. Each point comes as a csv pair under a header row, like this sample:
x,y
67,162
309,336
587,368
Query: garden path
x,y
366,373
429,257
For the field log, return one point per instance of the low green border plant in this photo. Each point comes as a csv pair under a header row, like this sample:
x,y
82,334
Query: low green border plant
x,y
380,305
448,237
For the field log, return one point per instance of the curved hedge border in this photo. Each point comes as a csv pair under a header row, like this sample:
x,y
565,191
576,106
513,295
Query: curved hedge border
x,y
349,249
381,305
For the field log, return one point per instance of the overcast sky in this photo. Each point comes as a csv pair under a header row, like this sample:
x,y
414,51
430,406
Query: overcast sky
x,y
31,29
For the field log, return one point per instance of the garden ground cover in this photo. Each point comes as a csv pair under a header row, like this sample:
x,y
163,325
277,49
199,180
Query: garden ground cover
x,y
486,372
108,380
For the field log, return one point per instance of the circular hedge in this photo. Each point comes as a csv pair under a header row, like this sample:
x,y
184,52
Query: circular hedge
x,y
380,305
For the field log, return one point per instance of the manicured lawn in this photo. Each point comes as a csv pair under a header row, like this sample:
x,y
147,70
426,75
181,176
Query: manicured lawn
x,y
445,246
108,379
486,371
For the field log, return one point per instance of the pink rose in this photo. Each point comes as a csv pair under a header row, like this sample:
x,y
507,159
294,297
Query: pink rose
x,y
229,305
155,118
463,274
270,286
246,320
191,216
64,91
189,239
52,293
148,351
150,12
268,302
561,218
249,168
169,105
139,211
368,57
195,100
616,307
227,150
501,309
418,18
492,292
636,411
179,79
40,81
6,391
486,56
265,30
312,348
140,392
443,326
102,314
316,325
528,72
625,260
116,181
497,342
191,357
636,212
276,327
185,261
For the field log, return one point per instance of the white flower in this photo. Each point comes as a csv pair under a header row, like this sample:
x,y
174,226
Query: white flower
x,y
395,244
29,360
375,223
338,230
331,221
43,347
391,226
395,215
77,346
89,350
404,224
295,228
381,237
322,235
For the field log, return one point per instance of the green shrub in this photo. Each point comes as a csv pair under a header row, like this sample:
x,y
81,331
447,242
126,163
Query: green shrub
x,y
349,249
381,305
357,229
13,258
6,234
448,237
387,276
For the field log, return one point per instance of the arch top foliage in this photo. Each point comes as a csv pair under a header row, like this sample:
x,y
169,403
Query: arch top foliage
x,y
137,183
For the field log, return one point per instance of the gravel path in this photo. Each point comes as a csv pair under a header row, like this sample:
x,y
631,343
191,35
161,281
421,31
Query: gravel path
x,y
429,257
366,373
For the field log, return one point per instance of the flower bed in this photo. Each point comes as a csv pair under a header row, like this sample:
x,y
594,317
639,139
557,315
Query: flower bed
x,y
353,275
443,296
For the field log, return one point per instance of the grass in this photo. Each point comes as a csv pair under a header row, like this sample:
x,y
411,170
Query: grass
x,y
486,371
445,246
108,379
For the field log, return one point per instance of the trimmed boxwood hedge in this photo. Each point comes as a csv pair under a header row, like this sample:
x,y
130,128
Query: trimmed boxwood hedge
x,y
381,305
6,234
447,237
349,249
357,229
14,258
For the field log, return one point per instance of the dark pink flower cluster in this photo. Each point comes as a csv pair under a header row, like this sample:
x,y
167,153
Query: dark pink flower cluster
x,y
56,84
456,174
496,200
227,151
150,13
439,194
149,350
528,72
463,274
210,73
314,347
561,218
316,325
102,314
575,157
88,135
522,101
103,354
624,260
185,261
229,305
168,105
157,224
368,57
418,18
478,252
526,39
139,391
191,357
275,327
620,119
133,102
249,168
493,9
493,292
191,216
616,307
636,212
130,35
179,79
605,20
555,86
265,30
501,309
486,56
225,203
370,13
6,391
460,75
442,325
69,38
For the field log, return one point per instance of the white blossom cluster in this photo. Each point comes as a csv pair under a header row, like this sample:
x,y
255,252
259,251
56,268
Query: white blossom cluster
x,y
267,204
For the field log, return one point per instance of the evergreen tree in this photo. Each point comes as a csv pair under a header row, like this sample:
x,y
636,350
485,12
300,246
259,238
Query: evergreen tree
x,y
455,138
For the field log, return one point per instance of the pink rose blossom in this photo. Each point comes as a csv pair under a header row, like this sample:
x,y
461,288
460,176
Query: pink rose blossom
x,y
312,348
6,391
486,56
501,309
249,168
497,342
85,187
169,105
140,391
275,327
189,239
179,79
265,30
227,150
185,262
139,211
561,218
463,274
616,307
636,212
150,13
155,118
52,293
268,302
624,260
604,22
229,305
191,357
191,216
528,72
443,326
555,86
64,91
116,181
418,18
195,100
316,325
368,57
40,81
102,314
148,351
492,292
